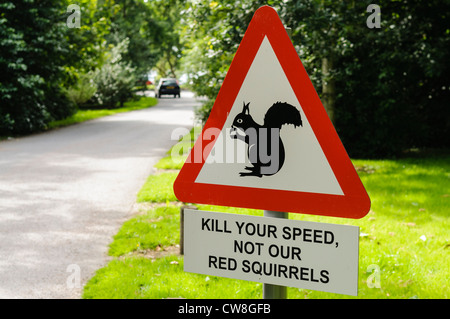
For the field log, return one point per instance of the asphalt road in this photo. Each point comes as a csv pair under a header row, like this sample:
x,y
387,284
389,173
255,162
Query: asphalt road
x,y
65,193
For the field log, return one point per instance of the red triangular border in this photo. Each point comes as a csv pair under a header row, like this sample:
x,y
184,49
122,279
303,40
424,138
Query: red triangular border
x,y
355,202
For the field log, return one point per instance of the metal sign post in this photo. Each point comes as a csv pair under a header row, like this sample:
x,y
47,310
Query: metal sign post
x,y
275,291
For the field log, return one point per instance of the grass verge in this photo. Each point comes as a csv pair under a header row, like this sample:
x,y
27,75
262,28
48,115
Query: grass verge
x,y
405,235
158,227
143,278
86,115
158,188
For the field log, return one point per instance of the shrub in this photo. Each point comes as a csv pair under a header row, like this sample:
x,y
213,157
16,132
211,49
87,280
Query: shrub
x,y
115,79
32,63
83,90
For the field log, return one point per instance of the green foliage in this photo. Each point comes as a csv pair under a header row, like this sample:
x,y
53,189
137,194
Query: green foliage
x,y
390,82
30,85
47,68
83,89
213,31
134,21
387,87
88,45
86,115
168,19
115,79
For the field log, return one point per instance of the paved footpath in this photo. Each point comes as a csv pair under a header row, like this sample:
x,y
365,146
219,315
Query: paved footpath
x,y
65,193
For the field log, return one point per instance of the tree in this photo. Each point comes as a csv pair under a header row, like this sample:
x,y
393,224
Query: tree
x,y
212,32
45,57
136,21
30,87
115,79
168,17
88,48
88,45
384,88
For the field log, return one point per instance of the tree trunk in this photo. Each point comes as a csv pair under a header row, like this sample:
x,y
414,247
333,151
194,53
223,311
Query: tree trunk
x,y
328,88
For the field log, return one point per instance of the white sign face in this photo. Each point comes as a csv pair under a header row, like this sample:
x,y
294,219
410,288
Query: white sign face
x,y
284,252
305,167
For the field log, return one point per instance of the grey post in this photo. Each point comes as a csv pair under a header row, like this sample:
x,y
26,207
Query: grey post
x,y
289,32
274,291
182,226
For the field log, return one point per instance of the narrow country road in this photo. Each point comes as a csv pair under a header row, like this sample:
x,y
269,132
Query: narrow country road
x,y
65,193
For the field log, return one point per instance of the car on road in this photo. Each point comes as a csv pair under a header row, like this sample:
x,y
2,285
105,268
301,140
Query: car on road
x,y
167,86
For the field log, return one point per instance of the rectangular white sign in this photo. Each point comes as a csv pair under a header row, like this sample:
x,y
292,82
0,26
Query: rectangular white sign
x,y
284,252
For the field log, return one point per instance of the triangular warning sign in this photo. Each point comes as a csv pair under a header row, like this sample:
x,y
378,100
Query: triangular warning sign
x,y
268,142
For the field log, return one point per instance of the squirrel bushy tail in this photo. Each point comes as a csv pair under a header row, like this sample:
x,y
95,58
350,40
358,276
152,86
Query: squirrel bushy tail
x,y
281,113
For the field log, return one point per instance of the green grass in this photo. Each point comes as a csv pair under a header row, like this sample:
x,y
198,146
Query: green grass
x,y
158,227
86,115
141,278
169,162
406,235
176,156
158,188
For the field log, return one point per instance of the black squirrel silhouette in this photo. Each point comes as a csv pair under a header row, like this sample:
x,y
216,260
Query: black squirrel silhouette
x,y
265,147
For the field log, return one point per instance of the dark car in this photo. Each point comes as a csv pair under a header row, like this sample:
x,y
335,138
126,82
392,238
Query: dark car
x,y
167,86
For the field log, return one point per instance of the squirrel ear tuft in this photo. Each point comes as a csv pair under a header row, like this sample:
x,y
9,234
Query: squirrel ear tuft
x,y
245,108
